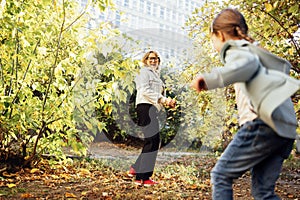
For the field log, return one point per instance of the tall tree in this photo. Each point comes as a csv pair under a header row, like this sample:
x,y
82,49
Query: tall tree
x,y
272,23
42,54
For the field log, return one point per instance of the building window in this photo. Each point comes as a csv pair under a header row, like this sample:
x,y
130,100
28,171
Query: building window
x,y
126,3
168,14
83,3
174,16
142,4
134,4
187,5
118,19
193,6
162,13
161,27
180,4
149,8
154,10
101,16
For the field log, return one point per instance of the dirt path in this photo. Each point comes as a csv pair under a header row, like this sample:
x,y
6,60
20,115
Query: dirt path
x,y
110,151
288,185
182,175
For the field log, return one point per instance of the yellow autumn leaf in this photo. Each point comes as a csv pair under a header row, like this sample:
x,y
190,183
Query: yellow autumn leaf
x,y
65,176
34,170
88,125
101,102
269,7
70,195
6,174
27,195
11,185
101,125
55,176
84,172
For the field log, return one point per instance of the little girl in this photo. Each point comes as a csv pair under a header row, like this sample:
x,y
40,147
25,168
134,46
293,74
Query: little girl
x,y
266,113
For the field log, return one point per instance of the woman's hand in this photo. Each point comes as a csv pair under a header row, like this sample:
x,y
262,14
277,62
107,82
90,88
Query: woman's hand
x,y
199,84
170,102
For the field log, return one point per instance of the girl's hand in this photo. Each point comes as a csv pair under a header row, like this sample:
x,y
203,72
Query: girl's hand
x,y
199,84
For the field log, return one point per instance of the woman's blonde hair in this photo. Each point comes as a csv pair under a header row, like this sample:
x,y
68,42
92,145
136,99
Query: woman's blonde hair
x,y
146,56
232,22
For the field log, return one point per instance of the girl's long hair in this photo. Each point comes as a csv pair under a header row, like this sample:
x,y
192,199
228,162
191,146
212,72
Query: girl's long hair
x,y
232,22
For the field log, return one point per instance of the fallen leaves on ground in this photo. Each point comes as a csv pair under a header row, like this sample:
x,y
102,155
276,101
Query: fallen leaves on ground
x,y
186,178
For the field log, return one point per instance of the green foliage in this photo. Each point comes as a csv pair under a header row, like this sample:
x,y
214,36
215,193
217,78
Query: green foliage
x,y
113,106
63,81
272,23
204,113
41,61
115,92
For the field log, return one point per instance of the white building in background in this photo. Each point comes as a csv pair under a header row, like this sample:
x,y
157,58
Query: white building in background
x,y
157,24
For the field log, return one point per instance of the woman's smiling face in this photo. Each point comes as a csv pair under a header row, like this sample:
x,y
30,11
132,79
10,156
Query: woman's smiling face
x,y
153,60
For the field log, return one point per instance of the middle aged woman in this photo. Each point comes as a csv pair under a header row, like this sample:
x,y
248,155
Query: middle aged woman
x,y
150,99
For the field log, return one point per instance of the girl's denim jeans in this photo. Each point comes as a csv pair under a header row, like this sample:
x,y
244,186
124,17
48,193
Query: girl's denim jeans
x,y
258,148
